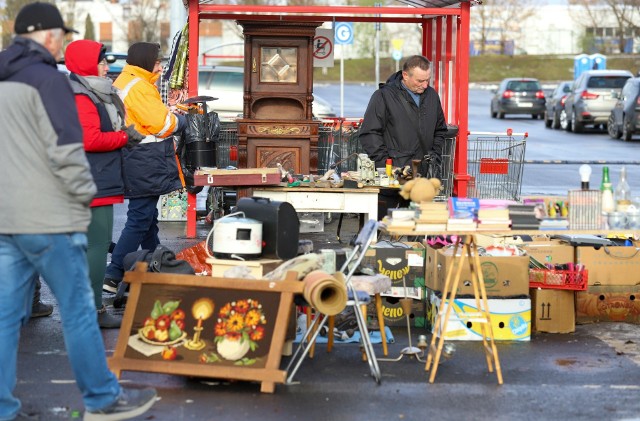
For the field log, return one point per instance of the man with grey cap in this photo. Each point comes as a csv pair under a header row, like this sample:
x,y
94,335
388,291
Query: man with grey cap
x,y
47,186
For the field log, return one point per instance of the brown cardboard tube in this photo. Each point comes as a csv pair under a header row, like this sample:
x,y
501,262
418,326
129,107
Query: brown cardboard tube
x,y
324,292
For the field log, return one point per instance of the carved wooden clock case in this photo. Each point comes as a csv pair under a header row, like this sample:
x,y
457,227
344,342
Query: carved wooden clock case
x,y
277,124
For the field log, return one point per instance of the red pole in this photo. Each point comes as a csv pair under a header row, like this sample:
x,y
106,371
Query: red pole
x,y
461,177
192,83
437,61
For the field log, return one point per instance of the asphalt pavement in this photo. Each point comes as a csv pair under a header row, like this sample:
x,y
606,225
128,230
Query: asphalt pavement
x,y
593,373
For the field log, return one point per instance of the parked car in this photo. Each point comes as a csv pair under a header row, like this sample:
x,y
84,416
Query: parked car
x,y
227,84
116,62
624,120
518,96
592,97
555,104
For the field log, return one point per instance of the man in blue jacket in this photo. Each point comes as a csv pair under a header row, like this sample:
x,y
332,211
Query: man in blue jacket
x,y
47,186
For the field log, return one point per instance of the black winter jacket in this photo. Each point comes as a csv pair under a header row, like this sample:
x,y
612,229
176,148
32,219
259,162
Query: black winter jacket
x,y
394,127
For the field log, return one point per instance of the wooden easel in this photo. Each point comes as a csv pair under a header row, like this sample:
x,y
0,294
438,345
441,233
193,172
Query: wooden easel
x,y
482,316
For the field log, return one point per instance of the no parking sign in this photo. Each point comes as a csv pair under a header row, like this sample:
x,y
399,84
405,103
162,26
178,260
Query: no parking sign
x,y
323,48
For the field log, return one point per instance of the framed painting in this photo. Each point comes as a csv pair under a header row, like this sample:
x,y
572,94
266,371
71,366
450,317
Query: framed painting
x,y
205,326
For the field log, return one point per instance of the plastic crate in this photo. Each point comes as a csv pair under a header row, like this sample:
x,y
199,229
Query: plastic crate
x,y
558,279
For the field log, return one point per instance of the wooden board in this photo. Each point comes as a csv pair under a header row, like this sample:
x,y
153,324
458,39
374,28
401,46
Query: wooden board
x,y
239,177
230,328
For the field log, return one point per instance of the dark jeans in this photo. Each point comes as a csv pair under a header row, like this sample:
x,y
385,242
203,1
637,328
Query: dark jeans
x,y
140,230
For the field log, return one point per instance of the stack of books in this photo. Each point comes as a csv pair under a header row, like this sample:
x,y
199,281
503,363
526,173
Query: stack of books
x,y
432,216
554,223
401,219
463,212
523,217
493,219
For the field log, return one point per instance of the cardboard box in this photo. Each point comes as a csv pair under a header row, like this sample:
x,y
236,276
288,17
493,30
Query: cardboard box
x,y
554,310
431,268
610,266
311,222
510,319
416,292
400,264
608,304
256,268
550,251
504,276
393,313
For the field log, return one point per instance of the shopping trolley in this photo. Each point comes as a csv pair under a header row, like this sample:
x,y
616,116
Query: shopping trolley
x,y
495,163
337,140
352,263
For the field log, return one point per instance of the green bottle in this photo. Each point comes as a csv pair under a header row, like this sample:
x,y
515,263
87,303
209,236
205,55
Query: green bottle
x,y
608,204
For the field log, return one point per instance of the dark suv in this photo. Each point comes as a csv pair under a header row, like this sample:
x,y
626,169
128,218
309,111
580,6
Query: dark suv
x,y
624,120
592,98
518,96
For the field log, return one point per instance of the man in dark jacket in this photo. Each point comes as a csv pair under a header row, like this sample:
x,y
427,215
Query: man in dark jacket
x,y
403,121
47,187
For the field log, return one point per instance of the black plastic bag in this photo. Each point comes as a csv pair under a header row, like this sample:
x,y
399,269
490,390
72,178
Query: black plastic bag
x,y
196,147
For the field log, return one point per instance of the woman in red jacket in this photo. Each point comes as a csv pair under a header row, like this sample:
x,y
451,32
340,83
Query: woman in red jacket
x,y
101,115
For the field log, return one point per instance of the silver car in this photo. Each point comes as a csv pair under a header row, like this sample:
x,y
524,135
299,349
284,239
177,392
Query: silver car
x,y
593,95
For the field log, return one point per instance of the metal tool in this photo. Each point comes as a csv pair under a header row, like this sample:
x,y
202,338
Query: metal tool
x,y
361,244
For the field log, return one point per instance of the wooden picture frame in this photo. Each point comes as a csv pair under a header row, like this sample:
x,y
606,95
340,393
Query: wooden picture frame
x,y
230,328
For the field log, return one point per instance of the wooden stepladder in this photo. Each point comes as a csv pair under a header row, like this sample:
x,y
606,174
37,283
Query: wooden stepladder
x,y
468,256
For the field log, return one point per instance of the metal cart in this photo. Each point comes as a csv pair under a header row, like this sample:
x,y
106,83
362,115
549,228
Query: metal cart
x,y
337,140
495,163
448,155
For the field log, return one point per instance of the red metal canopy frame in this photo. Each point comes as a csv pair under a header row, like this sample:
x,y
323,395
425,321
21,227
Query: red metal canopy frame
x,y
445,41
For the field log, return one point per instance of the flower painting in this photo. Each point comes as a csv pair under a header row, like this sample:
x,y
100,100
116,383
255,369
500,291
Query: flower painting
x,y
239,327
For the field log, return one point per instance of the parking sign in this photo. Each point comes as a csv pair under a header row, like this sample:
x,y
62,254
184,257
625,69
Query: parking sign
x,y
344,33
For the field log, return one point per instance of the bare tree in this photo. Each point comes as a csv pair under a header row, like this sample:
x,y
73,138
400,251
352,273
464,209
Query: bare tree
x,y
501,17
145,17
8,16
625,14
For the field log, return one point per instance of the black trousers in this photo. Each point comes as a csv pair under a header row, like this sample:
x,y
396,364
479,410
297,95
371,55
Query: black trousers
x,y
389,199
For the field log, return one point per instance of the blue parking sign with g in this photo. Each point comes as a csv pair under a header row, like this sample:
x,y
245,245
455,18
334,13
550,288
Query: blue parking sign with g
x,y
344,33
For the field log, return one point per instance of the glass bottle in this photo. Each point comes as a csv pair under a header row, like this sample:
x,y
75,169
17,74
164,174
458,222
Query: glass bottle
x,y
622,194
608,204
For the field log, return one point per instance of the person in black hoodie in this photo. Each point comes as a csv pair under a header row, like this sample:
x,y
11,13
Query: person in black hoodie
x,y
403,121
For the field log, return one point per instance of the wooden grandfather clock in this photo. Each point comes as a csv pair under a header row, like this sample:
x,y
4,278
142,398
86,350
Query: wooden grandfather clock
x,y
277,124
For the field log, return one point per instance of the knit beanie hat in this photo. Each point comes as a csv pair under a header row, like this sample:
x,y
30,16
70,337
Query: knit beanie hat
x,y
144,55
103,53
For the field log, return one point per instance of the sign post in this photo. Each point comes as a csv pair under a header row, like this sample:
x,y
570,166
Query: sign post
x,y
396,54
343,36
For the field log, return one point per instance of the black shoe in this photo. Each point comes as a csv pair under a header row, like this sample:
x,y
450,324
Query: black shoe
x,y
131,403
41,309
106,320
110,285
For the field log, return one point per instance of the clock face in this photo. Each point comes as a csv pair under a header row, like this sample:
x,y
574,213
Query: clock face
x,y
279,64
